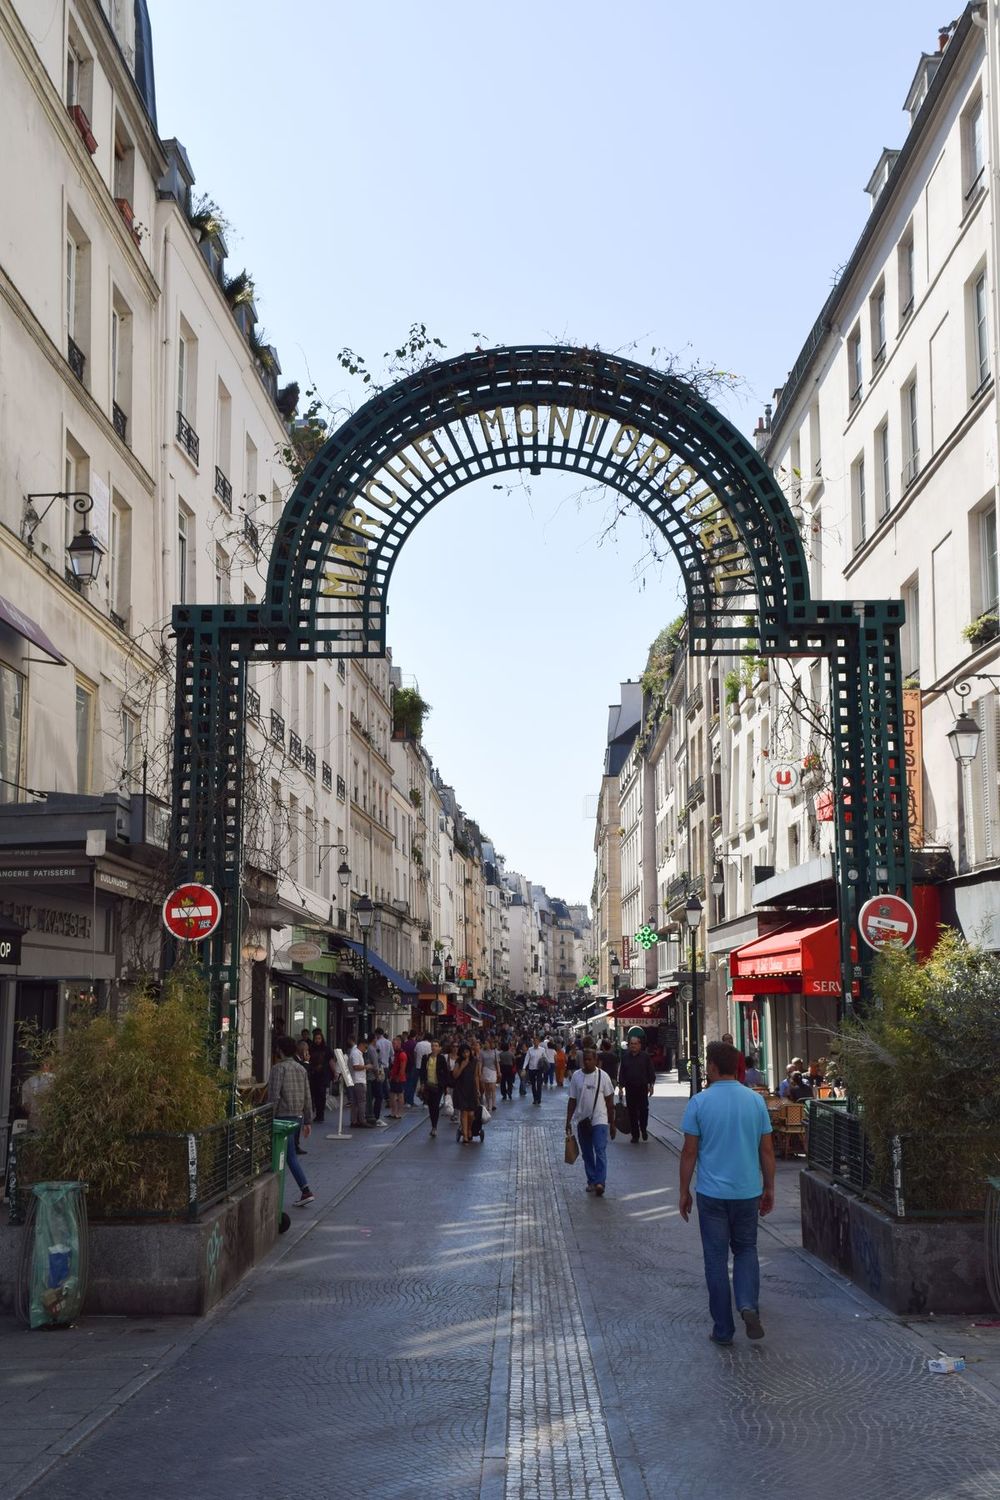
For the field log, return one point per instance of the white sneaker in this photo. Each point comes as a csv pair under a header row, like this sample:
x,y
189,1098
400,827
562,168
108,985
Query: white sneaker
x,y
381,1125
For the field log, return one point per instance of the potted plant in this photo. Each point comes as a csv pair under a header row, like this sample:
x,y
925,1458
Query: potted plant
x,y
982,630
408,713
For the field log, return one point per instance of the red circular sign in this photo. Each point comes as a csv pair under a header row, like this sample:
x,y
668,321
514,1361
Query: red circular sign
x,y
887,919
192,912
754,1028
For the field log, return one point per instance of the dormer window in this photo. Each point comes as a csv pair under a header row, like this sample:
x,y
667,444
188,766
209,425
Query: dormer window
x,y
922,80
880,176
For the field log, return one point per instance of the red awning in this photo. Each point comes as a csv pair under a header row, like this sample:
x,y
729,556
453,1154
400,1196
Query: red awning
x,y
648,1006
798,959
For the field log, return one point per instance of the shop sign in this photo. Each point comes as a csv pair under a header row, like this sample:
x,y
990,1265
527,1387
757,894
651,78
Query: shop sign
x,y
10,948
783,778
50,920
913,759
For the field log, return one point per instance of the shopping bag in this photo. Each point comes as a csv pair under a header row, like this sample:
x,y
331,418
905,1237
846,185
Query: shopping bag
x,y
485,1115
572,1149
622,1121
448,1106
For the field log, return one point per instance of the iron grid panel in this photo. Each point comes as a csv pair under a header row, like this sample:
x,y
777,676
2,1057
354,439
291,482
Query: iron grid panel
x,y
447,399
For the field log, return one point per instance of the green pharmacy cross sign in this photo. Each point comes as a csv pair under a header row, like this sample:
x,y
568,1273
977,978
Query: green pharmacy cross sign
x,y
647,937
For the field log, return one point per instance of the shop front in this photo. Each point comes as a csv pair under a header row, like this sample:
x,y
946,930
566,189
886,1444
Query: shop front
x,y
788,993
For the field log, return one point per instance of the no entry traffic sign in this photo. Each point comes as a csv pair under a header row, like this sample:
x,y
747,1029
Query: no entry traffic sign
x,y
192,912
887,919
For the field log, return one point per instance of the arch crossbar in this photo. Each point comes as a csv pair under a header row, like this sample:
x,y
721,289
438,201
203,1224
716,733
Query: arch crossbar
x,y
645,434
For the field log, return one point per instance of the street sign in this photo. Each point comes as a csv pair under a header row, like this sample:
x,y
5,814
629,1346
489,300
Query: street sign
x,y
783,778
887,919
10,945
192,912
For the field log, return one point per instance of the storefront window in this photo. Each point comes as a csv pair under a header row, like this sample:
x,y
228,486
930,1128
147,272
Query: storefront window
x,y
11,731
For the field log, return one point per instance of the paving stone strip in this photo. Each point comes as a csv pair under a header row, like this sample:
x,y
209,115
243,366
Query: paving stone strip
x,y
558,1443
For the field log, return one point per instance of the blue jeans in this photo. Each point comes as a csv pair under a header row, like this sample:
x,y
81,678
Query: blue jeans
x,y
293,1163
594,1149
729,1224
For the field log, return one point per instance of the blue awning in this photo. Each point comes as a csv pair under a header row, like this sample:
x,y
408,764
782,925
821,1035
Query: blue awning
x,y
405,986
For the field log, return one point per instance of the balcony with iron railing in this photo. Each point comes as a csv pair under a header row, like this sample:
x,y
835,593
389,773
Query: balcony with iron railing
x,y
677,892
253,703
277,728
223,489
77,359
341,788
119,420
251,535
327,776
188,438
695,698
309,761
696,790
295,748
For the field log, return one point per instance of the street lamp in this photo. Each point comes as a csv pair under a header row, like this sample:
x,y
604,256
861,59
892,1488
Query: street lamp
x,y
436,972
614,965
963,737
692,914
365,913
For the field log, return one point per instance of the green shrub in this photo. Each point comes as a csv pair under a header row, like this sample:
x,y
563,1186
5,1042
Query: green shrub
x,y
922,1063
149,1071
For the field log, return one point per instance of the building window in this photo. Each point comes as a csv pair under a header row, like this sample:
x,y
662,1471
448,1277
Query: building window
x,y
131,749
79,75
250,470
910,640
855,377
859,502
85,700
973,159
185,553
120,560
980,333
221,576
911,443
986,549
878,328
906,265
12,698
77,299
124,174
183,366
882,469
121,364
223,444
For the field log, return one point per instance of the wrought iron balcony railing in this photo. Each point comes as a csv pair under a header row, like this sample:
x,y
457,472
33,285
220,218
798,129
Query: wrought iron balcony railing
x,y
327,776
119,420
77,359
295,747
253,703
223,489
277,728
188,438
696,790
309,761
695,698
250,534
341,788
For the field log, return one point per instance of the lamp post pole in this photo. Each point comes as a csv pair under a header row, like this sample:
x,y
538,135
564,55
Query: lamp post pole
x,y
365,913
692,913
615,968
436,971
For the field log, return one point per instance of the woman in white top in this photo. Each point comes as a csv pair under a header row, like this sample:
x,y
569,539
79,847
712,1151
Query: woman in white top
x,y
489,1064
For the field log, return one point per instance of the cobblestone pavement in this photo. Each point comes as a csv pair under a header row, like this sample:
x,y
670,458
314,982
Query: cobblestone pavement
x,y
466,1322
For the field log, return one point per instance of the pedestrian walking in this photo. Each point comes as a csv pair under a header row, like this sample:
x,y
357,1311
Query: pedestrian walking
x,y
607,1059
727,1137
590,1089
537,1066
560,1065
410,1048
637,1078
550,1062
489,1062
420,1051
465,1090
320,1066
384,1048
434,1080
289,1097
356,1062
397,1079
741,1066
520,1053
505,1058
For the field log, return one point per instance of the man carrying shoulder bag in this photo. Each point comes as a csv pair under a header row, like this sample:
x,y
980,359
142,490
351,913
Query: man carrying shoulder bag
x,y
590,1090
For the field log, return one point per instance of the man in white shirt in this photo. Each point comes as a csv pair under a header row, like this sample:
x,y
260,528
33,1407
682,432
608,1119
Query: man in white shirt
x,y
383,1047
356,1061
420,1051
550,1063
536,1063
590,1089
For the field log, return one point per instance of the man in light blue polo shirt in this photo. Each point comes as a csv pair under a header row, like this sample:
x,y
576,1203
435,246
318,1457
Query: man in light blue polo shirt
x,y
727,1135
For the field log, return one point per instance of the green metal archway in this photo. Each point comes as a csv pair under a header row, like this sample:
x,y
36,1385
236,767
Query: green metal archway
x,y
648,435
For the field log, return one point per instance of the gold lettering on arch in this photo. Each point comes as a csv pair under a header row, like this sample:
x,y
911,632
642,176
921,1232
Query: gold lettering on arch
x,y
488,421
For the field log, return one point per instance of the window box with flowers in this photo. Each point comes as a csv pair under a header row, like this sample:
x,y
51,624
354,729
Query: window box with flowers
x,y
981,631
813,769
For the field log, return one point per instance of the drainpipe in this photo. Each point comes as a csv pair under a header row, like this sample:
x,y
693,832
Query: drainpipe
x,y
987,18
166,346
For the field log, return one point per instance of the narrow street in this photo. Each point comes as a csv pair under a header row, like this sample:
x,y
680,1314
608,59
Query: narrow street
x,y
467,1322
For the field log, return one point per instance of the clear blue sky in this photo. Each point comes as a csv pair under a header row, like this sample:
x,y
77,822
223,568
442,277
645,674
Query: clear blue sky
x,y
684,177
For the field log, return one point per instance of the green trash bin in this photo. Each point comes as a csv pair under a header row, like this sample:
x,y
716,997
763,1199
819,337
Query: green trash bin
x,y
281,1130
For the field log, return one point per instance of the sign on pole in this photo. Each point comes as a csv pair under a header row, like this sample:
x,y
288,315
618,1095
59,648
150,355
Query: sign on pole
x,y
887,919
783,778
192,912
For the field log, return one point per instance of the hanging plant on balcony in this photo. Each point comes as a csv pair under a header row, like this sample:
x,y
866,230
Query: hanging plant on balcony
x,y
981,631
731,686
415,796
262,351
239,289
408,713
207,219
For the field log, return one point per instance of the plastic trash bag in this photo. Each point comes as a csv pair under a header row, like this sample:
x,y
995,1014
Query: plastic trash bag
x,y
58,1256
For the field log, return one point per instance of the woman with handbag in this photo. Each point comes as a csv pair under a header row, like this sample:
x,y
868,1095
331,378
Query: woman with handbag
x,y
434,1080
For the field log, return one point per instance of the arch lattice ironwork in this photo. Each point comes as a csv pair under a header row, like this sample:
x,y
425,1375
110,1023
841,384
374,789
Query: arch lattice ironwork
x,y
648,435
